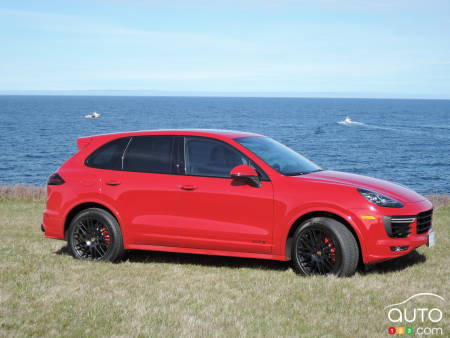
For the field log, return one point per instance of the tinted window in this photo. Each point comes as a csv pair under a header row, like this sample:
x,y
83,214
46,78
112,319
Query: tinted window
x,y
278,156
108,156
206,157
149,154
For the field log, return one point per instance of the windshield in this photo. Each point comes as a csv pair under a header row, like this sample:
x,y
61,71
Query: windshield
x,y
278,156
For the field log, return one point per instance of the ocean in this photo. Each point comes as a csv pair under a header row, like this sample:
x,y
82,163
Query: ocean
x,y
405,141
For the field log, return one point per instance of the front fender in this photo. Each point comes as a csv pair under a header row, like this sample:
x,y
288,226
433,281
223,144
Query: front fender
x,y
313,208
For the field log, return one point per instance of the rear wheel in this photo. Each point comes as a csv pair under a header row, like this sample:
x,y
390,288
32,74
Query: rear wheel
x,y
324,246
94,234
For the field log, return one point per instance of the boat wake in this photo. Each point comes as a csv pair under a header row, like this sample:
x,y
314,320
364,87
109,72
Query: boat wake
x,y
349,122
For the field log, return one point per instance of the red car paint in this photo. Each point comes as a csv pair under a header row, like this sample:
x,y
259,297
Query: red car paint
x,y
211,215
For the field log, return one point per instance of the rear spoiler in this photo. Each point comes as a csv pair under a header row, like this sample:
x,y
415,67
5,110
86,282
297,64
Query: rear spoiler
x,y
83,142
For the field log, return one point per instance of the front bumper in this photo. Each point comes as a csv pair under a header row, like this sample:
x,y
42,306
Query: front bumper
x,y
378,244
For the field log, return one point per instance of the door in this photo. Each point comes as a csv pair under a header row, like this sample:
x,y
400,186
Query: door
x,y
146,191
216,212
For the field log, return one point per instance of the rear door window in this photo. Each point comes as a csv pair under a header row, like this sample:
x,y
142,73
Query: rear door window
x,y
108,156
150,154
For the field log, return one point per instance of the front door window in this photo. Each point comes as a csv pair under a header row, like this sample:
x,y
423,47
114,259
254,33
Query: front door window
x,y
211,158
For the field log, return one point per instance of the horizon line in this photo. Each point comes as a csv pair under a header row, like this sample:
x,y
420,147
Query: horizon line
x,y
243,94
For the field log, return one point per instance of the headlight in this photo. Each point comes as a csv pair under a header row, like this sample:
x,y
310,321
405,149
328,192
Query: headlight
x,y
379,199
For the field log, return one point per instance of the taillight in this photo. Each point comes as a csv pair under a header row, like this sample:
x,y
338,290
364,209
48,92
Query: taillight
x,y
55,179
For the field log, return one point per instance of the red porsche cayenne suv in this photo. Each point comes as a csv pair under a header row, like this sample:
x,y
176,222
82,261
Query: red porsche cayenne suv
x,y
227,193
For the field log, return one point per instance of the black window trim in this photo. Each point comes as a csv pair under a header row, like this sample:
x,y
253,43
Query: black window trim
x,y
179,163
177,157
182,158
124,152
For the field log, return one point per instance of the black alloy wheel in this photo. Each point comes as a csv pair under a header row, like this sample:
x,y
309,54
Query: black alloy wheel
x,y
94,234
324,246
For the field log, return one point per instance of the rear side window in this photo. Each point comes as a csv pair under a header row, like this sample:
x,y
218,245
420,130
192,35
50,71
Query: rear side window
x,y
108,156
149,154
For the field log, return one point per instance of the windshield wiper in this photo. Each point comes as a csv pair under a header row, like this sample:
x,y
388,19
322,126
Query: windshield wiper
x,y
295,173
298,173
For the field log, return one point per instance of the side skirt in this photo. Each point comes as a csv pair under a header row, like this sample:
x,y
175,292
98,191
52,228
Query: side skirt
x,y
204,252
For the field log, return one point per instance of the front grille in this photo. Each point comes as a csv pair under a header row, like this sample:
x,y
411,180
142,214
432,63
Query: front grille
x,y
424,221
398,226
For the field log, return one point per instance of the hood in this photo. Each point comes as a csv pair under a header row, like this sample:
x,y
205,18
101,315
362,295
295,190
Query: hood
x,y
387,188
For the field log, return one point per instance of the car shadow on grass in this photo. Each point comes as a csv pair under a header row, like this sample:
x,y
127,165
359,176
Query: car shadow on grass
x,y
204,260
138,256
63,251
396,264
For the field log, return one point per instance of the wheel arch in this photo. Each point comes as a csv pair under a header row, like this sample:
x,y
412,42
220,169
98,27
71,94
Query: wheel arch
x,y
301,219
75,210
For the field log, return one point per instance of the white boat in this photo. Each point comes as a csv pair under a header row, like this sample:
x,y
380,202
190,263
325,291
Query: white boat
x,y
349,121
94,115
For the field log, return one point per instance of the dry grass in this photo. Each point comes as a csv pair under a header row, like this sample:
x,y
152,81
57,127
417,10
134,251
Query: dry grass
x,y
44,292
439,200
21,192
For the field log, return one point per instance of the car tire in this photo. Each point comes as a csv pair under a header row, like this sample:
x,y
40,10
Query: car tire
x,y
324,246
94,234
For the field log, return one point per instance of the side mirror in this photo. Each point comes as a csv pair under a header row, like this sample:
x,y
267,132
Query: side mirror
x,y
245,172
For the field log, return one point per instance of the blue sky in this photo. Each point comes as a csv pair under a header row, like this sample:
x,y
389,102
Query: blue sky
x,y
381,48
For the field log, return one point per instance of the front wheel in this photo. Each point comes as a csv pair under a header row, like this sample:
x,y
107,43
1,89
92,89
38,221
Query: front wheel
x,y
324,246
94,234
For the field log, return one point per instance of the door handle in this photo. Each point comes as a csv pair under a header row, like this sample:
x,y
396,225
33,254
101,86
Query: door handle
x,y
188,187
112,182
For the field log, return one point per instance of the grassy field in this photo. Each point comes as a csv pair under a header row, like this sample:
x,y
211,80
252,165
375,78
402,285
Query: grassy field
x,y
44,292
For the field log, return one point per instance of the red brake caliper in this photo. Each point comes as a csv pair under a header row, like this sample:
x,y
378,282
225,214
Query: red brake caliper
x,y
329,243
106,236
